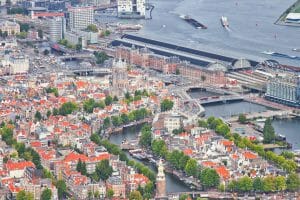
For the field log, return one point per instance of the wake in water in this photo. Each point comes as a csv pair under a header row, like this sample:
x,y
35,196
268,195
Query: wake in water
x,y
275,54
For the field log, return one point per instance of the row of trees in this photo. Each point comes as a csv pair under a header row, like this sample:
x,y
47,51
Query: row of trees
x,y
124,118
115,150
90,104
221,128
208,177
266,184
23,195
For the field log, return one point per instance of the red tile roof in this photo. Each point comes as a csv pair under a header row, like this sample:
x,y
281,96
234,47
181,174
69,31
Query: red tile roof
x,y
11,166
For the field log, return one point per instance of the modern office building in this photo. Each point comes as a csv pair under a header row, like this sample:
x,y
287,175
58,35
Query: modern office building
x,y
131,8
57,28
80,17
284,90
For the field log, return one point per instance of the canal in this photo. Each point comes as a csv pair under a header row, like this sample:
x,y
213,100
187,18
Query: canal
x,y
173,184
290,129
226,110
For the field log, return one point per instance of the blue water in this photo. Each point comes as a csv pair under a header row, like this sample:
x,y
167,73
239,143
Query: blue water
x,y
252,29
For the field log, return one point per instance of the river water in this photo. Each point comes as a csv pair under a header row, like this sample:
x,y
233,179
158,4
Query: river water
x,y
173,184
252,29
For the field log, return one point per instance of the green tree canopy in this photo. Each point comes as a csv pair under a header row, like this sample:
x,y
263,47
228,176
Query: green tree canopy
x,y
135,195
293,182
104,170
146,136
191,167
47,194
61,189
268,132
209,178
22,195
166,105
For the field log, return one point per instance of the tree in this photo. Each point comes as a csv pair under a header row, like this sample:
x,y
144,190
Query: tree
x,y
223,129
280,183
177,72
67,108
100,57
209,178
258,184
79,165
268,132
108,100
244,184
184,197
104,170
22,195
115,99
92,28
61,189
202,123
110,193
106,122
95,138
146,136
203,78
135,195
293,182
125,118
159,148
269,184
46,52
242,119
83,170
166,105
191,167
40,33
55,111
47,194
38,116
48,113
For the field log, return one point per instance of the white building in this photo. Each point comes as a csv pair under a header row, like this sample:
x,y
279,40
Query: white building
x,y
57,28
173,121
131,8
12,28
16,64
80,17
97,3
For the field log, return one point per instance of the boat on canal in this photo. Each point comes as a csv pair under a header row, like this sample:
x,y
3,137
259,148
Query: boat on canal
x,y
193,22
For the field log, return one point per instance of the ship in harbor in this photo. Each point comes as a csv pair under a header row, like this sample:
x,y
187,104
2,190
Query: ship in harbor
x,y
224,21
193,22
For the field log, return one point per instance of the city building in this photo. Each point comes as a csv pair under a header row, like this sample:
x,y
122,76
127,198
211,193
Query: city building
x,y
172,122
15,64
116,184
97,3
80,17
12,28
57,28
131,8
160,182
284,90
119,78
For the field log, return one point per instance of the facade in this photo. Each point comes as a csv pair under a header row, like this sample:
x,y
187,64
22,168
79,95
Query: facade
x,y
160,182
120,82
12,28
117,185
285,90
80,17
16,64
172,122
147,59
97,3
131,8
57,28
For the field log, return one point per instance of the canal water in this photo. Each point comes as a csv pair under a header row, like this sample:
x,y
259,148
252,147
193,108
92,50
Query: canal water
x,y
173,184
290,128
200,93
226,110
251,27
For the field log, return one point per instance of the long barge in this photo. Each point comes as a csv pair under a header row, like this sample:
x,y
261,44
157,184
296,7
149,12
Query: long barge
x,y
193,22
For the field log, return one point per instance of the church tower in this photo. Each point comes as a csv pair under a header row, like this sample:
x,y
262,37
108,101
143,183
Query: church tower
x,y
160,182
120,82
